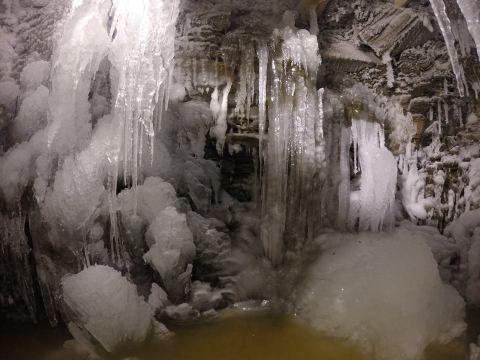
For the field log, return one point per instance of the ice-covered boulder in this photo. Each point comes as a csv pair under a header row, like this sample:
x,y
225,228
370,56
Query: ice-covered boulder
x,y
171,249
382,292
152,197
104,304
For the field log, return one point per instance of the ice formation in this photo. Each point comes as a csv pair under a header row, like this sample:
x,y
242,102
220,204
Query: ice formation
x,y
291,144
107,307
171,250
381,292
372,205
440,11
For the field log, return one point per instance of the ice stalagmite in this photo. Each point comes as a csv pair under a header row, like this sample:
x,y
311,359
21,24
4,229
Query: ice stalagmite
x,y
471,12
440,11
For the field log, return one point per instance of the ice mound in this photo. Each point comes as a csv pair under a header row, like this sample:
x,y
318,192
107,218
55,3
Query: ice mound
x,y
171,249
34,74
32,115
106,305
382,292
153,196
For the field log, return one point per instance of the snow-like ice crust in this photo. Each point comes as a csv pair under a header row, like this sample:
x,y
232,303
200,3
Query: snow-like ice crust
x,y
382,292
108,306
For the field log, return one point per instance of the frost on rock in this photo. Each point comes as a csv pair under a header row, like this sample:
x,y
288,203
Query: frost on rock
x,y
171,249
382,292
105,306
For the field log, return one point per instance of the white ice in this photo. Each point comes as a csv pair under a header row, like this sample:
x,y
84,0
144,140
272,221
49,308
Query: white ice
x,y
381,292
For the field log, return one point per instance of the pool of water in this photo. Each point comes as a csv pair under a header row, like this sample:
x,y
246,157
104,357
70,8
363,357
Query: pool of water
x,y
255,336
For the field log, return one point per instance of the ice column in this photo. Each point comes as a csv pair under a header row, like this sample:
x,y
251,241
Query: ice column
x,y
293,136
439,9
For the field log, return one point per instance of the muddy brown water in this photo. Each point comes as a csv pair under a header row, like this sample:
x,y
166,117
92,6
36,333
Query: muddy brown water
x,y
256,336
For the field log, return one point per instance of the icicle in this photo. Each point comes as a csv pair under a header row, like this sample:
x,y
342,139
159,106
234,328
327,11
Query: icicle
x,y
142,52
387,60
220,129
446,110
471,12
262,54
439,9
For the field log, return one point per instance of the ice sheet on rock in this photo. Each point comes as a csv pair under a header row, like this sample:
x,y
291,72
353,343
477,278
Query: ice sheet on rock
x,y
171,249
382,292
103,303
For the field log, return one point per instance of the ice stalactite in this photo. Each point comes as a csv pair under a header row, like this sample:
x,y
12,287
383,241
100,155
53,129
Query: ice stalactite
x,y
440,11
142,54
262,54
220,129
372,206
82,43
387,60
290,168
471,12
